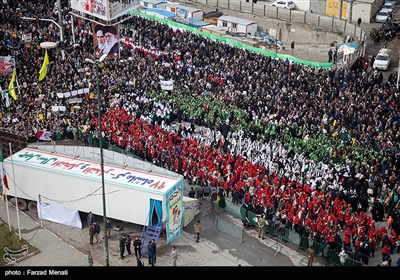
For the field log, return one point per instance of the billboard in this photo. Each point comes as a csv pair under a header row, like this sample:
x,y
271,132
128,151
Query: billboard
x,y
120,7
96,8
6,65
106,40
175,212
104,9
182,15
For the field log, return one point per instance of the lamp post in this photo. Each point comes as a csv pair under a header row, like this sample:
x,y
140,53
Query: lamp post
x,y
59,26
97,63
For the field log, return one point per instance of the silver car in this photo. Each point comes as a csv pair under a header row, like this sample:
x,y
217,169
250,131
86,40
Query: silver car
x,y
382,16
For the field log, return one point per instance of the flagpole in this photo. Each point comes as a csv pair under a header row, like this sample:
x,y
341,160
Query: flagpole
x,y
5,189
15,192
16,80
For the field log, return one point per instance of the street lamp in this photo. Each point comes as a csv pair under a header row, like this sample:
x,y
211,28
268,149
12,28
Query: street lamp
x,y
59,26
97,63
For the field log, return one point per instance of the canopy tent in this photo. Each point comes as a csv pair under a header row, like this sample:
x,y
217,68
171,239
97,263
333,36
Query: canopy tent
x,y
347,48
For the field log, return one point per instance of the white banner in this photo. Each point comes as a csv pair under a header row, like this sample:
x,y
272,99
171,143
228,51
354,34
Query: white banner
x,y
192,208
58,108
167,85
59,214
73,93
74,100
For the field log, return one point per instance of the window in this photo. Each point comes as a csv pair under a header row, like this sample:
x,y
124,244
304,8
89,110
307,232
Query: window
x,y
225,24
234,25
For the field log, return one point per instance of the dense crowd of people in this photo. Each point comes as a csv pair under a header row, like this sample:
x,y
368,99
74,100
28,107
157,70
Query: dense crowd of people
x,y
316,149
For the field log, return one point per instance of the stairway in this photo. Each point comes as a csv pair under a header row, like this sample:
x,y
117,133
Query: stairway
x,y
149,233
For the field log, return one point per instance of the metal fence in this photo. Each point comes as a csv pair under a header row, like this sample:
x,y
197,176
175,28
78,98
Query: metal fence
x,y
301,242
341,27
230,228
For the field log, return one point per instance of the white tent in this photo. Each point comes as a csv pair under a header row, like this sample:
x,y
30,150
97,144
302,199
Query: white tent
x,y
346,49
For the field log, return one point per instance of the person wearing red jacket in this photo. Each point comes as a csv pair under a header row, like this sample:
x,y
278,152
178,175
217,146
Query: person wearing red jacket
x,y
346,241
392,240
385,251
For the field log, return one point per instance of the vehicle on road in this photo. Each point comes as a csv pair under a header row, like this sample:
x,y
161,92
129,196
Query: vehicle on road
x,y
284,4
383,59
394,2
383,16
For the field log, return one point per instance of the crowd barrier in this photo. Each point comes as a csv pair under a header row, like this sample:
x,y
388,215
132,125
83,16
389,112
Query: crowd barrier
x,y
287,235
230,228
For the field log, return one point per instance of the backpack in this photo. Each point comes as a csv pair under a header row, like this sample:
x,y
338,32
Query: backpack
x,y
97,229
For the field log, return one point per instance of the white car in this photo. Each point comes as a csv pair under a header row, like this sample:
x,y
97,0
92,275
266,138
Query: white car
x,y
284,4
382,16
388,7
383,59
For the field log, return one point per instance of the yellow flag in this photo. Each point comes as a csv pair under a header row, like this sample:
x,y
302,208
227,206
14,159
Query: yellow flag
x,y
11,86
45,65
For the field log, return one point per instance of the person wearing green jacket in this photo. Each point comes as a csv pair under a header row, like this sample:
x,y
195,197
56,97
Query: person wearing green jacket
x,y
122,247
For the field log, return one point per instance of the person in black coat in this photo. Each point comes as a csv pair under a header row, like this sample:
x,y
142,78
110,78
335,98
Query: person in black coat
x,y
151,253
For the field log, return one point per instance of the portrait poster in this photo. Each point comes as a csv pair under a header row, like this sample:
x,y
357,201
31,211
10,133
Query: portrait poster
x,y
106,40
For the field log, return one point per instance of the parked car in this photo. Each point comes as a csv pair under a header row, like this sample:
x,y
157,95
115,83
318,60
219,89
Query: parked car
x,y
391,25
383,59
394,2
388,7
382,16
284,4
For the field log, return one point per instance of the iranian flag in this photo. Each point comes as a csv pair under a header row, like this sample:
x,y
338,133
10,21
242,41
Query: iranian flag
x,y
43,135
4,181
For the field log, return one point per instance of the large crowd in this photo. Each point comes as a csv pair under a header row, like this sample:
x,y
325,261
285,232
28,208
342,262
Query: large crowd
x,y
316,149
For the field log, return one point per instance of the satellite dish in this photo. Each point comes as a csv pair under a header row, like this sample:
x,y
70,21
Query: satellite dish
x,y
48,45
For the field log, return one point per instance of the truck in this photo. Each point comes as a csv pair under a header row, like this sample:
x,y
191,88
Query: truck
x,y
132,190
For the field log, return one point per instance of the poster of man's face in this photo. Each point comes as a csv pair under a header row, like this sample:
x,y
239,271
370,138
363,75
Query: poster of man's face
x,y
106,40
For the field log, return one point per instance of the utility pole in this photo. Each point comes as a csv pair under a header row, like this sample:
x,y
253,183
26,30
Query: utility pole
x,y
60,20
351,11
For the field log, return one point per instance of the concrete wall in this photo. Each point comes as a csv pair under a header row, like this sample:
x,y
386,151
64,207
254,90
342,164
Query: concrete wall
x,y
364,11
301,33
303,5
306,34
318,6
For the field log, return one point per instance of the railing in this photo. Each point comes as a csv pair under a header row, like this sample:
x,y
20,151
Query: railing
x,y
262,10
280,231
230,228
17,139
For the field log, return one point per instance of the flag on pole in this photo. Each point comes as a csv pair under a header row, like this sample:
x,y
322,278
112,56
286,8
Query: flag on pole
x,y
4,181
45,65
4,95
11,85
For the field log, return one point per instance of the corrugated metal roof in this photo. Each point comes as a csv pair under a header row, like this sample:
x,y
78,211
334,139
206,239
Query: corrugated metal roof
x,y
366,1
162,12
189,9
197,22
237,20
